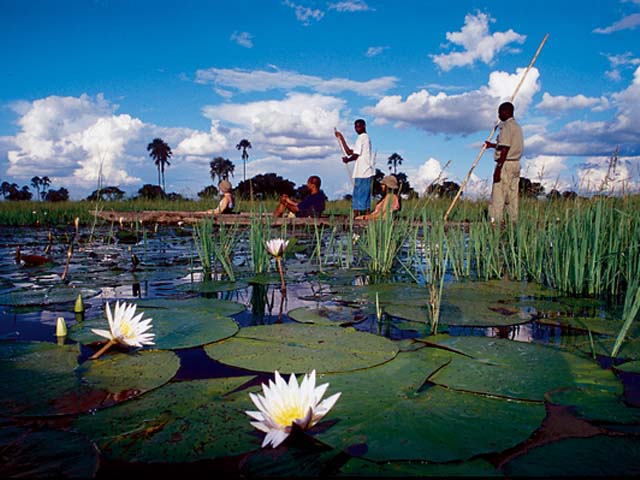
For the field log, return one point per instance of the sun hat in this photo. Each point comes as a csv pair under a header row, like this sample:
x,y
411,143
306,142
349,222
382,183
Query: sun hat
x,y
225,186
390,181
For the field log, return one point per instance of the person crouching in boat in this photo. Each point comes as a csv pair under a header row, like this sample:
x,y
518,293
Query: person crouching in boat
x,y
310,206
390,201
227,202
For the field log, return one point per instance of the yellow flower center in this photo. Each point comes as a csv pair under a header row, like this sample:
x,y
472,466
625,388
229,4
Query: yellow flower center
x,y
288,414
125,329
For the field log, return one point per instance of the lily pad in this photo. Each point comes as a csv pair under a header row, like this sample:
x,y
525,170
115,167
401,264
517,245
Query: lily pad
x,y
181,422
213,286
46,453
595,325
45,379
629,367
302,348
596,405
388,293
389,413
176,323
516,370
472,468
328,316
58,294
601,455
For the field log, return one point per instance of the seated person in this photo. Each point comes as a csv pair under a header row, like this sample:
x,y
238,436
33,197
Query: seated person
x,y
390,201
310,206
227,202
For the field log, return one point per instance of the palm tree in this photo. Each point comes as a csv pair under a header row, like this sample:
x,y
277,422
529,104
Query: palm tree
x,y
221,168
161,152
244,144
394,161
35,183
45,182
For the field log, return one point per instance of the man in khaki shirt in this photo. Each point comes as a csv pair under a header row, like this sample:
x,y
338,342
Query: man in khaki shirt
x,y
506,176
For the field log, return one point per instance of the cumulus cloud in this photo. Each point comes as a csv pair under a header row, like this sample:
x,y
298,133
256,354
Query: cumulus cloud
x,y
477,43
203,143
350,6
432,171
375,51
244,39
625,23
619,62
305,14
600,174
261,81
562,103
462,113
549,170
597,138
74,138
297,127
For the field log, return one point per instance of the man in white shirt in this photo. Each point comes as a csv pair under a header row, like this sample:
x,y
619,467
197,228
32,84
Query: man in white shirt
x,y
506,176
363,171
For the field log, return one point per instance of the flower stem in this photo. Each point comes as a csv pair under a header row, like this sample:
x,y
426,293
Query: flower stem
x,y
283,286
106,347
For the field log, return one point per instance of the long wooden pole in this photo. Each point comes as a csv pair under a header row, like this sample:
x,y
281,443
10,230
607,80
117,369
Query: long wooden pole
x,y
346,165
484,145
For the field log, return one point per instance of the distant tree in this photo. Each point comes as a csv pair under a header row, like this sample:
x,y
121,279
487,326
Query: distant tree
x,y
265,186
221,168
161,152
35,183
243,145
554,195
377,178
175,197
45,182
5,189
60,195
12,192
151,192
569,195
446,189
527,188
393,162
208,192
106,194
405,187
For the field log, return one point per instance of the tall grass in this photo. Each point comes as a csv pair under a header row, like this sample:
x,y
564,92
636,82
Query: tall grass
x,y
381,242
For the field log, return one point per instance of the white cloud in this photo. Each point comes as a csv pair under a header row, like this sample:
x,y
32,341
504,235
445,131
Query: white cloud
x,y
298,127
375,51
350,6
562,103
261,81
599,174
549,170
462,113
477,43
432,171
244,39
618,62
202,143
625,23
305,14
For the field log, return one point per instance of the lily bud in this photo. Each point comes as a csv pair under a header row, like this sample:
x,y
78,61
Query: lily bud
x,y
61,328
79,305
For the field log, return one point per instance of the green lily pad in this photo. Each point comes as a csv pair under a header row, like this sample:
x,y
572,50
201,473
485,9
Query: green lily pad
x,y
302,348
57,294
595,325
408,312
604,456
290,462
266,279
387,414
46,453
45,379
629,350
213,286
176,323
517,370
597,405
328,316
388,293
472,468
180,422
629,367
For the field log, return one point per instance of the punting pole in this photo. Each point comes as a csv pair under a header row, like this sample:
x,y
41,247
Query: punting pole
x,y
346,165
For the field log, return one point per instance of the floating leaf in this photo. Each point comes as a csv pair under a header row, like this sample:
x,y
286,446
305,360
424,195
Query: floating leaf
x,y
598,405
629,367
517,370
329,316
604,456
386,414
472,468
57,294
46,453
293,348
212,286
180,422
44,379
176,323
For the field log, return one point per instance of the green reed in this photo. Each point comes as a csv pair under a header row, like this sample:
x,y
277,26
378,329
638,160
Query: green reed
x,y
224,248
381,242
259,233
203,239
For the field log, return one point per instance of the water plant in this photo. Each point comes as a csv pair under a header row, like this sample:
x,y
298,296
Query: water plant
x,y
381,241
276,247
125,327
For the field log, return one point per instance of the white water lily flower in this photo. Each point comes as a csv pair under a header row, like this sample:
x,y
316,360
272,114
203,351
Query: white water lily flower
x,y
285,404
277,246
126,329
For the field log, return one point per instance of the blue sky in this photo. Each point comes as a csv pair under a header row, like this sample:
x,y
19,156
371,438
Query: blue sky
x,y
86,85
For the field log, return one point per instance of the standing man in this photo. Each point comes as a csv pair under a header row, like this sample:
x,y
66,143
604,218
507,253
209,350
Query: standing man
x,y
506,176
363,171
